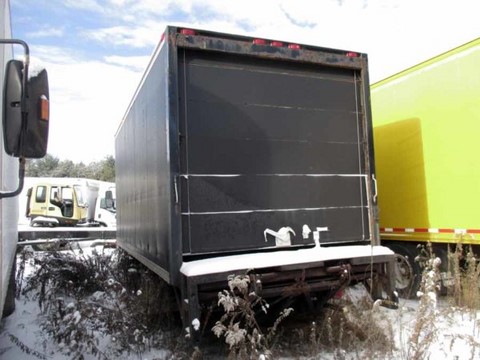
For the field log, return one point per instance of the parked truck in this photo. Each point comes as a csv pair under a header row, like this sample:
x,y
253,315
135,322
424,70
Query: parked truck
x,y
426,151
68,202
24,134
56,204
241,155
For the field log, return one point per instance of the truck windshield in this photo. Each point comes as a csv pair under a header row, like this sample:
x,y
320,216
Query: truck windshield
x,y
67,193
79,193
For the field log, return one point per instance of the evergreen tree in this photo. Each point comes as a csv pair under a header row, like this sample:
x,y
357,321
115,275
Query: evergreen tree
x,y
51,166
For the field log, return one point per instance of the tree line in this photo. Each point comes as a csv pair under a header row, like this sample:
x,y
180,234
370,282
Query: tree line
x,y
51,166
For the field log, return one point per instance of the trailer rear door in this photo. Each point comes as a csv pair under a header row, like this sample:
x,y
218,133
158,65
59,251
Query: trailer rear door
x,y
267,144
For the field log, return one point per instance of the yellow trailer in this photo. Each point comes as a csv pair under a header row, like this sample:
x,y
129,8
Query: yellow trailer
x,y
426,136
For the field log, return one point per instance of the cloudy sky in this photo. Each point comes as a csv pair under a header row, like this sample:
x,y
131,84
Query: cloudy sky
x,y
96,50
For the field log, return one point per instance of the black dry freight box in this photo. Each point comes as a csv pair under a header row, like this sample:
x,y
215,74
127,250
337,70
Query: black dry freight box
x,y
235,145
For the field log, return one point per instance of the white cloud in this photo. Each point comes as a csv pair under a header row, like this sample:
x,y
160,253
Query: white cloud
x,y
52,54
146,35
88,100
136,63
91,5
47,32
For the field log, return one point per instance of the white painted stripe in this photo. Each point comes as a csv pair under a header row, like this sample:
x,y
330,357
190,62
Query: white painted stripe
x,y
186,176
270,210
430,230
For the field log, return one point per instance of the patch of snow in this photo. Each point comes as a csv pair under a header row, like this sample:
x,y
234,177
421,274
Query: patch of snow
x,y
196,324
43,219
97,295
77,317
70,305
277,258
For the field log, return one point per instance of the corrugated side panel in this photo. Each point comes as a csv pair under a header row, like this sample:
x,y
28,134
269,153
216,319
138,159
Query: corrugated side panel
x,y
143,172
268,144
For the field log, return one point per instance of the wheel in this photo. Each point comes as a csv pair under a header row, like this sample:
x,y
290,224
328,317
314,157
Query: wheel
x,y
407,271
9,306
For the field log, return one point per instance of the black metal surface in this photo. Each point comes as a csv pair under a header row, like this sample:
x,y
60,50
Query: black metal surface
x,y
280,145
270,192
225,232
243,46
143,171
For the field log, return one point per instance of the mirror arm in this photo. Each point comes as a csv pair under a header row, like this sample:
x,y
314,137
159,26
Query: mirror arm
x,y
24,103
26,61
21,177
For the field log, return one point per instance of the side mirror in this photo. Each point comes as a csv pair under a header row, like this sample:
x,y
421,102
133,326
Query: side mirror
x,y
25,113
12,107
33,135
109,203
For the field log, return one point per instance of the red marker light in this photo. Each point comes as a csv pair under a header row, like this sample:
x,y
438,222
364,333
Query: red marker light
x,y
44,108
162,38
187,32
259,42
352,54
294,46
276,44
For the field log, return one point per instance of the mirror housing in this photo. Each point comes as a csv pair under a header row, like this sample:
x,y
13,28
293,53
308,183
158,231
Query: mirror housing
x,y
36,137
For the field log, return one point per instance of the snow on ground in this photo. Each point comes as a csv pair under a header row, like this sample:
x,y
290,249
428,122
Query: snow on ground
x,y
447,332
277,258
455,331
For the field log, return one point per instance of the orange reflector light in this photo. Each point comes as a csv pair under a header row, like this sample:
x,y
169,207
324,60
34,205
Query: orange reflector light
x,y
259,42
294,46
352,54
187,32
44,108
276,44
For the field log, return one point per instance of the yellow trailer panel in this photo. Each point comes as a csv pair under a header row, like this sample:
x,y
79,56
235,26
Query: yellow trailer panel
x,y
426,136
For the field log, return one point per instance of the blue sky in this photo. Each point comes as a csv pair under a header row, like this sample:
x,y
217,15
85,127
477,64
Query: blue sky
x,y
96,50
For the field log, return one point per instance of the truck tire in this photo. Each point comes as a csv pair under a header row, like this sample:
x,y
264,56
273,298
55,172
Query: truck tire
x,y
408,273
9,306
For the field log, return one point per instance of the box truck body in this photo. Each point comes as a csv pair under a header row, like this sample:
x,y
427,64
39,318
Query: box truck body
x,y
8,180
23,134
242,155
426,132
